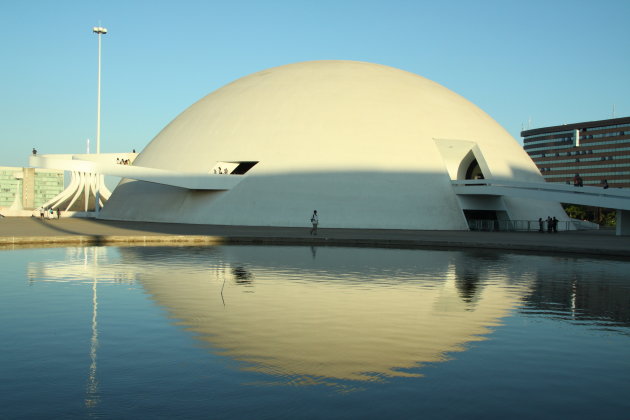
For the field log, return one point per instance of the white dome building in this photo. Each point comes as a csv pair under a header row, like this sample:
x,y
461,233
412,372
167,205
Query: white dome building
x,y
368,146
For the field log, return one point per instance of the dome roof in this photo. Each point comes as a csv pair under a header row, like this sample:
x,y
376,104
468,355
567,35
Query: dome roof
x,y
319,115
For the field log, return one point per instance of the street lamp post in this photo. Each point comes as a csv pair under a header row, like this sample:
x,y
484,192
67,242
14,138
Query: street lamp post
x,y
98,30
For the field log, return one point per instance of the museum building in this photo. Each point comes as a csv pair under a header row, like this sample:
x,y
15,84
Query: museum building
x,y
366,145
598,152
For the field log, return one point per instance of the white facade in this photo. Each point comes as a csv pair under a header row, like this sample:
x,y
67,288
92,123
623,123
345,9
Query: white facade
x,y
368,146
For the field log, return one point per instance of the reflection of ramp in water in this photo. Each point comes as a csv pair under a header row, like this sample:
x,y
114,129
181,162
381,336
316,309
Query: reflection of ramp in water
x,y
309,323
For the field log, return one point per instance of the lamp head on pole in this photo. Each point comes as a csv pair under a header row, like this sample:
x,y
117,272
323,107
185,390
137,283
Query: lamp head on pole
x,y
99,30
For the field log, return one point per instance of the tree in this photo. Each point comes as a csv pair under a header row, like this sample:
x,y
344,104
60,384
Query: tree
x,y
601,216
575,212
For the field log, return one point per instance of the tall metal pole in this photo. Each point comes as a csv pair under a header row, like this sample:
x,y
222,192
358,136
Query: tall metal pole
x,y
98,30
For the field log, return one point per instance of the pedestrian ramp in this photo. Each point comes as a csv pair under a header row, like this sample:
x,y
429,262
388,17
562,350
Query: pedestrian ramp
x,y
613,198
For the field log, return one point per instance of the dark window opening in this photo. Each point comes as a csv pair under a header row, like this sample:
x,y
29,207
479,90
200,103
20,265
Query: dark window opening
x,y
474,171
482,219
480,215
243,167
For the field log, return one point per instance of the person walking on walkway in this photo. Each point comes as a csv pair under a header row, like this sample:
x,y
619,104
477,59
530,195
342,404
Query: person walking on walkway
x,y
315,222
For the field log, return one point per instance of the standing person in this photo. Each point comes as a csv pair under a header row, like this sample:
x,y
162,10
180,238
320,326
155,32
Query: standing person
x,y
549,224
554,222
541,225
315,222
58,213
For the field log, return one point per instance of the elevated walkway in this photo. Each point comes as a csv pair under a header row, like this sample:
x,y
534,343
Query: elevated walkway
x,y
104,164
613,198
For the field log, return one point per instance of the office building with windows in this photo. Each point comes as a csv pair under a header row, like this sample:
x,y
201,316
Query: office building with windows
x,y
28,188
595,153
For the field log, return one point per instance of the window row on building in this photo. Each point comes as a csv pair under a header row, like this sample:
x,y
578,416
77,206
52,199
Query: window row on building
x,y
568,131
612,151
565,145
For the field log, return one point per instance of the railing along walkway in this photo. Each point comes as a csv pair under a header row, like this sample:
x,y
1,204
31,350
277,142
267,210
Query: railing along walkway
x,y
526,225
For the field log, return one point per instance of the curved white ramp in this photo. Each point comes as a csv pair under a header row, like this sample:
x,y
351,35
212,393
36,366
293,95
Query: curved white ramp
x,y
105,164
589,196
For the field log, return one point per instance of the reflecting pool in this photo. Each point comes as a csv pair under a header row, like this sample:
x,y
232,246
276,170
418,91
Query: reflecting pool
x,y
271,332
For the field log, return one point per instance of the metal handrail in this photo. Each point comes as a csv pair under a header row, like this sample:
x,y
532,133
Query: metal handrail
x,y
519,225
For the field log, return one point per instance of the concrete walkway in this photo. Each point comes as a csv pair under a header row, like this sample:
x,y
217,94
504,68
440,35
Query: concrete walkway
x,y
29,231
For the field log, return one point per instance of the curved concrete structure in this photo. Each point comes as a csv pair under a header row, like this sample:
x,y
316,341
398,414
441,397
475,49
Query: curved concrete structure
x,y
368,146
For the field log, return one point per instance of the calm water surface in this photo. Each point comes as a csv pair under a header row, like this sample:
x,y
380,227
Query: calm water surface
x,y
249,332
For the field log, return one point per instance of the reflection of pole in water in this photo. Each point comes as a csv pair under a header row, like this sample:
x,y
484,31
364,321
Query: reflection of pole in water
x,y
91,399
573,296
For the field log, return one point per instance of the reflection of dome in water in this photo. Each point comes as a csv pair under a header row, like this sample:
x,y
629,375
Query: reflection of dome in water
x,y
367,145
345,324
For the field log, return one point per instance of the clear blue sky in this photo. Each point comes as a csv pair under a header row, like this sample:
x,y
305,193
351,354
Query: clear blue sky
x,y
552,61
